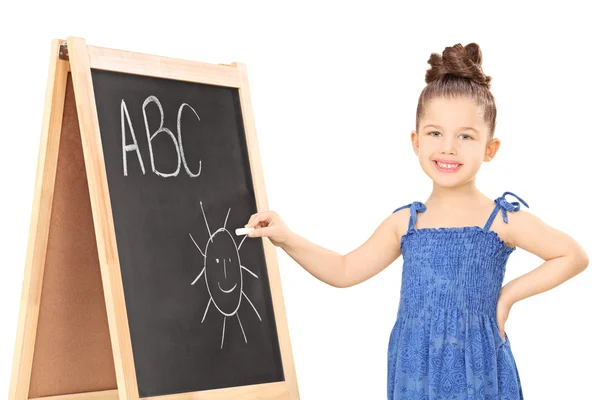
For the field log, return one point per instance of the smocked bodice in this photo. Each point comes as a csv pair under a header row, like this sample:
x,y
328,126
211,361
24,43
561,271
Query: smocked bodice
x,y
452,268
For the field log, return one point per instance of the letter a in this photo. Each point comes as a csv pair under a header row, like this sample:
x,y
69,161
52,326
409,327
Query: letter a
x,y
129,147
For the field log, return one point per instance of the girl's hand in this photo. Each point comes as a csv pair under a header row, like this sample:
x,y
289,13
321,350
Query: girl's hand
x,y
502,310
271,225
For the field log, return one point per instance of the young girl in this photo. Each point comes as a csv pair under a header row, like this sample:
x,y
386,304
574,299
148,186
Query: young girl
x,y
448,341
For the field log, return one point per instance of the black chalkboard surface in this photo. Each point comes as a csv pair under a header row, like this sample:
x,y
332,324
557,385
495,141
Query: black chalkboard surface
x,y
197,296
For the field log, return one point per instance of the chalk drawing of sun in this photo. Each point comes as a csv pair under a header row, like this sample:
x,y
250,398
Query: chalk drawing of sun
x,y
223,274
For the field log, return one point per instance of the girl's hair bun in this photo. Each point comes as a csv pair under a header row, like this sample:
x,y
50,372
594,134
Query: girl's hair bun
x,y
458,61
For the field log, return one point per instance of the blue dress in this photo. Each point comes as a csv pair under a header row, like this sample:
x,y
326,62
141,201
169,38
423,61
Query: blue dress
x,y
446,343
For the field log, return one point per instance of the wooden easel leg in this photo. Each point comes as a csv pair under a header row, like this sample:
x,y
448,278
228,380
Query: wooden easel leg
x,y
39,226
62,344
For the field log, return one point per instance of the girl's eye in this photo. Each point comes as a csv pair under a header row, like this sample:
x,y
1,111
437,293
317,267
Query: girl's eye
x,y
230,260
217,260
434,134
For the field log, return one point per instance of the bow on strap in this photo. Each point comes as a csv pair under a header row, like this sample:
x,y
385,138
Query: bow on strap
x,y
415,207
509,206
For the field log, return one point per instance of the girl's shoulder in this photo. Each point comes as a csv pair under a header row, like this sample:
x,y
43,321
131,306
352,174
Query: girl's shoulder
x,y
405,215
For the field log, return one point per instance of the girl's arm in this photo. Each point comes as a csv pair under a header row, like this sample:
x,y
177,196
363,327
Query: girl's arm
x,y
379,251
341,271
564,257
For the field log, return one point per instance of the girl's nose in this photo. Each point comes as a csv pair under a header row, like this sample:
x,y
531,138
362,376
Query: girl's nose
x,y
448,145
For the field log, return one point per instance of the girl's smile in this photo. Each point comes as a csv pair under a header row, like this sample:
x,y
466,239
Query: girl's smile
x,y
446,166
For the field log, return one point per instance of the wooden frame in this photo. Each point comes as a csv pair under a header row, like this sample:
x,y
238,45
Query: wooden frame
x,y
81,59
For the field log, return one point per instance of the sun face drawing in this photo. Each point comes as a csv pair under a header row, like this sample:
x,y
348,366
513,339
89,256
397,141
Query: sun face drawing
x,y
223,274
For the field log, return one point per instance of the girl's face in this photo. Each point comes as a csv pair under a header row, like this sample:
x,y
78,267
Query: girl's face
x,y
453,141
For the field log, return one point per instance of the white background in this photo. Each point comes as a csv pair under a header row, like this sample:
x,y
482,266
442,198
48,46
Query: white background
x,y
334,90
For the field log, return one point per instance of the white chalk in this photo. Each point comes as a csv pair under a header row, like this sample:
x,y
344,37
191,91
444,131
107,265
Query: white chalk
x,y
243,231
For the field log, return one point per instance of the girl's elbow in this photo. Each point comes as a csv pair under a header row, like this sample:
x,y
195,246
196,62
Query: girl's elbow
x,y
579,260
342,283
338,285
583,260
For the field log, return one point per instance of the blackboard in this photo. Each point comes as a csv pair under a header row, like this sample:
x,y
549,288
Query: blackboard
x,y
197,296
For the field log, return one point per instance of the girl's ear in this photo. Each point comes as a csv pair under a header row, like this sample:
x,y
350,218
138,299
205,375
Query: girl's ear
x,y
491,149
414,138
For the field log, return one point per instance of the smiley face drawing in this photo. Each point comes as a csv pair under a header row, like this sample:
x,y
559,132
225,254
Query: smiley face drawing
x,y
223,274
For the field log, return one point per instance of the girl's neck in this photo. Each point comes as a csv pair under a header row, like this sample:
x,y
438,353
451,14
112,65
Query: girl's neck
x,y
466,195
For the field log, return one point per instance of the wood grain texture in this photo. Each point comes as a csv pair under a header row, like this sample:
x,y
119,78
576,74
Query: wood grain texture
x,y
162,67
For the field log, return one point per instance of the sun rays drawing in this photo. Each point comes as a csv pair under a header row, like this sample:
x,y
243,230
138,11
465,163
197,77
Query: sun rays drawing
x,y
223,274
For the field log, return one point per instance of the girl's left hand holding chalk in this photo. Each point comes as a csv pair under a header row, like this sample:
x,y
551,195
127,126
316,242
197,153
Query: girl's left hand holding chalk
x,y
268,224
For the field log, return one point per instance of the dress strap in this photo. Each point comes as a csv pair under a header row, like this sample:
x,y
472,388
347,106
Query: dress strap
x,y
415,206
504,205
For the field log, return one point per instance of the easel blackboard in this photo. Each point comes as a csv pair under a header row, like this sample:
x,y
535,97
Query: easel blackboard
x,y
135,284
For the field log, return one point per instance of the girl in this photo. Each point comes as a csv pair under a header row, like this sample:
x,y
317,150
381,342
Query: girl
x,y
448,341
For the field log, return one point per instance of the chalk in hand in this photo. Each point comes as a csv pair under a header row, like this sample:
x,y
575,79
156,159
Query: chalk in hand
x,y
243,231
